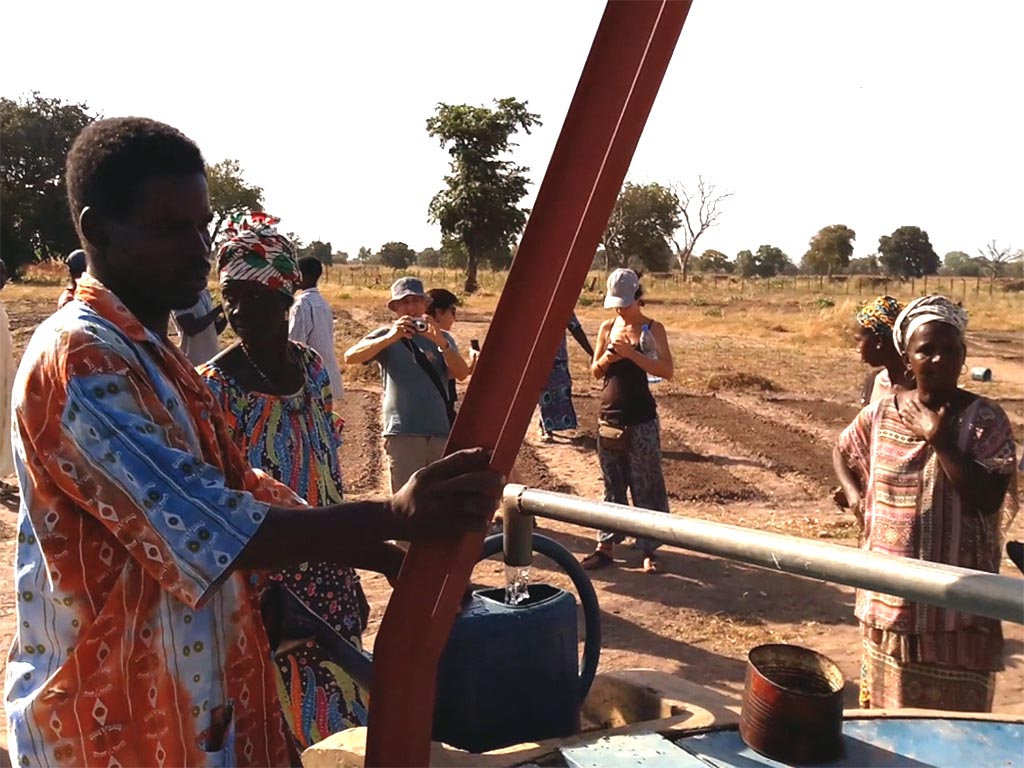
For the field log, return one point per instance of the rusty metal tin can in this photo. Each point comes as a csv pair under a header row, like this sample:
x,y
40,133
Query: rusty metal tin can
x,y
792,708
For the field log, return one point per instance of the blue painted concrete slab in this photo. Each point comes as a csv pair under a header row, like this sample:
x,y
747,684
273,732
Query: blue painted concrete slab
x,y
649,750
881,743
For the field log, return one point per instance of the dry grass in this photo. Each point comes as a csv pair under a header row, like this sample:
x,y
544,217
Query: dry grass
x,y
788,334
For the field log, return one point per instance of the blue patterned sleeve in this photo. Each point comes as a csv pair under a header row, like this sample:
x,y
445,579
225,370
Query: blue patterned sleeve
x,y
173,512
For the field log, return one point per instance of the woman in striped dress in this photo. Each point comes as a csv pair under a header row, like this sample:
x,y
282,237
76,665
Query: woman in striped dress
x,y
926,472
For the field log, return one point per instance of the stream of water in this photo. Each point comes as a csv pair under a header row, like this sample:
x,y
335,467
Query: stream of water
x,y
517,584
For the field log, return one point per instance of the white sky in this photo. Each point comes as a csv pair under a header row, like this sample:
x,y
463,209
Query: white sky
x,y
874,114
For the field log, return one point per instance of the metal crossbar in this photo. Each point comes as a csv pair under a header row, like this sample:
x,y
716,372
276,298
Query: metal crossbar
x,y
977,592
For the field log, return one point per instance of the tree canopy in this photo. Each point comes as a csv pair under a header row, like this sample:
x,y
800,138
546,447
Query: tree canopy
x,y
640,227
396,255
319,250
713,261
769,261
479,204
429,257
230,195
959,264
34,219
865,265
830,250
907,252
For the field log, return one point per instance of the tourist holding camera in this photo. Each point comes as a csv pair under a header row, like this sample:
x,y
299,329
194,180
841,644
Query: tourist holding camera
x,y
416,359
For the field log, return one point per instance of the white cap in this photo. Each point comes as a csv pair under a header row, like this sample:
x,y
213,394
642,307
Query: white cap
x,y
622,287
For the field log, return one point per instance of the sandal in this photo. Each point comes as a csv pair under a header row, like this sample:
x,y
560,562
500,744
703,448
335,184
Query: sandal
x,y
596,560
651,565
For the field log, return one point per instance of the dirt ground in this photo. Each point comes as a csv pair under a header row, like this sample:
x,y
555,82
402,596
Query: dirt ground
x,y
753,458
761,460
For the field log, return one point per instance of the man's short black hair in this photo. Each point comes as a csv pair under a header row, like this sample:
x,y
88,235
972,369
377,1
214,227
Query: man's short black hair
x,y
311,268
111,159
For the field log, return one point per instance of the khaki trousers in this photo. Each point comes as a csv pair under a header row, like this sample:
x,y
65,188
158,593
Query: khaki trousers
x,y
407,453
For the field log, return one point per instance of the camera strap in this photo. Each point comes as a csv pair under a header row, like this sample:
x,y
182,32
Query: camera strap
x,y
435,377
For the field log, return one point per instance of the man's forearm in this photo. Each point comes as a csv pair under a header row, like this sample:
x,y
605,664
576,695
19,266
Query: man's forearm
x,y
366,350
344,534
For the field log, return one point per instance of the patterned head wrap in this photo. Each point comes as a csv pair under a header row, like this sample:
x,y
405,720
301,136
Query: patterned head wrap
x,y
261,255
927,309
879,316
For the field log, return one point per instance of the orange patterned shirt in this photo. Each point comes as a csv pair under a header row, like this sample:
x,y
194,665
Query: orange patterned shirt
x,y
132,627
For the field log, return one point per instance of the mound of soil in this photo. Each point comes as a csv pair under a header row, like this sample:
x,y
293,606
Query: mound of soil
x,y
742,381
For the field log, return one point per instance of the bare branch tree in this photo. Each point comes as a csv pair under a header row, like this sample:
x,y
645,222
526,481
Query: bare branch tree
x,y
995,260
696,222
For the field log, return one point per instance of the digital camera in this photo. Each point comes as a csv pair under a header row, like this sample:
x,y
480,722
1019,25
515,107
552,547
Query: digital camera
x,y
420,325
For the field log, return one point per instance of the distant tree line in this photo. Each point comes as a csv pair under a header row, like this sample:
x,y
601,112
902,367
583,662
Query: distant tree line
x,y
653,227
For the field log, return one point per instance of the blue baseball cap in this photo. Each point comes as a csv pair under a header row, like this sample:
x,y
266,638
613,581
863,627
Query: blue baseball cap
x,y
406,286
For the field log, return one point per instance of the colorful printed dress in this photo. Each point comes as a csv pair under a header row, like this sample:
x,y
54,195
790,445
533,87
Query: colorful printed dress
x,y
295,440
918,655
556,409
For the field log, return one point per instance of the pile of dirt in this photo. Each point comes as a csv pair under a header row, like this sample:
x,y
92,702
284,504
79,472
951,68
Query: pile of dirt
x,y
742,381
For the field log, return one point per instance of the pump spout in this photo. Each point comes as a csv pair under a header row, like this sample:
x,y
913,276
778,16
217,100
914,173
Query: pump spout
x,y
517,530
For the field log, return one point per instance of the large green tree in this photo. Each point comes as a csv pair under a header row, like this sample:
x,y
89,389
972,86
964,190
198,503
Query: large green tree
x,y
907,252
746,263
713,261
230,195
865,265
769,261
959,264
34,218
830,250
773,261
429,257
396,255
640,227
319,250
480,203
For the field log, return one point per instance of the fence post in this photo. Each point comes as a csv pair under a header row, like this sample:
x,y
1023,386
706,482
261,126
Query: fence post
x,y
925,291
913,286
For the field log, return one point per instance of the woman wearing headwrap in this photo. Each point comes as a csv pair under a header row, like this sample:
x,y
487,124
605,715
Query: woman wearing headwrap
x,y
872,332
927,472
277,399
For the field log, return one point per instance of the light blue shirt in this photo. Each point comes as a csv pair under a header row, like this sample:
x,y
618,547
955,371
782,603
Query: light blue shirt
x,y
412,404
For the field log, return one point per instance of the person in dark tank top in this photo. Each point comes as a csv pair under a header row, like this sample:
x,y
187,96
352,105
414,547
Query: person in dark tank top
x,y
631,349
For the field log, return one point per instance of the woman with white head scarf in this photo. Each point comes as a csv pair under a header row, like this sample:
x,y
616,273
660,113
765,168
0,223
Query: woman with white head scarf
x,y
926,471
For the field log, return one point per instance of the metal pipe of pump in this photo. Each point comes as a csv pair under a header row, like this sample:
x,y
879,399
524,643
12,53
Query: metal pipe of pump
x,y
517,532
977,592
